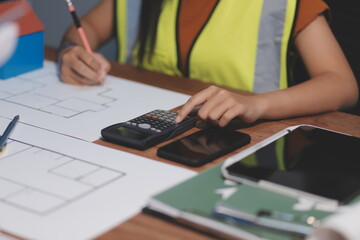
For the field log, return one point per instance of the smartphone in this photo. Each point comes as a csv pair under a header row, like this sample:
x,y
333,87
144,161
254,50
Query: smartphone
x,y
203,146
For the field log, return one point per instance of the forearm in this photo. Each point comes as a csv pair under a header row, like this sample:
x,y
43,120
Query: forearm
x,y
329,91
326,92
72,36
332,85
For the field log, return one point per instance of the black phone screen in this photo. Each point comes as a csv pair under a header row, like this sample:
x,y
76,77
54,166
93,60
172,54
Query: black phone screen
x,y
203,146
309,159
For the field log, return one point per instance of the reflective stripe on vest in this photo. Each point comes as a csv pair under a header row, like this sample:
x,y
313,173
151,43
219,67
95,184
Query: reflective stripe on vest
x,y
222,54
269,157
127,20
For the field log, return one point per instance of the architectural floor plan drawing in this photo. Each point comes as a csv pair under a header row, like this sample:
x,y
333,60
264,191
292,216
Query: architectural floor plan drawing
x,y
42,91
80,111
67,178
58,187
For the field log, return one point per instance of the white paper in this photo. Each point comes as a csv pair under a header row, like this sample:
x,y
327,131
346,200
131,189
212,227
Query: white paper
x,y
79,111
57,187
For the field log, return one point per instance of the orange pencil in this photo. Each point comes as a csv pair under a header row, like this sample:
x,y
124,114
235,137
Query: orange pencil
x,y
78,26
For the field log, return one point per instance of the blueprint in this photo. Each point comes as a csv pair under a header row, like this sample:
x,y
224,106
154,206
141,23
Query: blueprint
x,y
79,111
55,180
58,187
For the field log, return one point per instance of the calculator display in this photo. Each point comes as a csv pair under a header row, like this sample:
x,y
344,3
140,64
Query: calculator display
x,y
132,133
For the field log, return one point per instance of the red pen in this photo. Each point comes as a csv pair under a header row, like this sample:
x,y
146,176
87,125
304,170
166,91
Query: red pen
x,y
78,26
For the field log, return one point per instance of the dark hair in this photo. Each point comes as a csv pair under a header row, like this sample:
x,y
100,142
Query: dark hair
x,y
149,17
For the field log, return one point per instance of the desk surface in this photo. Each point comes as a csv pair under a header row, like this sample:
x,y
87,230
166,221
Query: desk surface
x,y
143,226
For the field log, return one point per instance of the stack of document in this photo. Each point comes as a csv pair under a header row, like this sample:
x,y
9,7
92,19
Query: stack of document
x,y
232,211
57,187
54,185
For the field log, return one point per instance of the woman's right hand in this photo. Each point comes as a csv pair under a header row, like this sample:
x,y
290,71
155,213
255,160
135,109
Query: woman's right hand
x,y
79,67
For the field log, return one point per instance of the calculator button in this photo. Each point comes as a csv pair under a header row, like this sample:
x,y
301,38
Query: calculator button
x,y
144,125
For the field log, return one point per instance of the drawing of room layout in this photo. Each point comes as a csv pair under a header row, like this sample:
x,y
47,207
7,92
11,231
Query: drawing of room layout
x,y
41,90
52,180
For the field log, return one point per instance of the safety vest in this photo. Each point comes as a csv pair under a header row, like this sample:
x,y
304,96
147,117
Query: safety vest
x,y
243,45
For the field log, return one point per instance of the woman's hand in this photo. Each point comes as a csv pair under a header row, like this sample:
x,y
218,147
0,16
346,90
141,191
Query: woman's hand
x,y
221,106
332,86
82,68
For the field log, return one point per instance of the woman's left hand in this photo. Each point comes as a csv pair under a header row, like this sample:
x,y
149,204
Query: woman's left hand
x,y
221,106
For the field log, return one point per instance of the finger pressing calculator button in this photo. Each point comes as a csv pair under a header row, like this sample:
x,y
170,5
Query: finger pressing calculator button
x,y
144,125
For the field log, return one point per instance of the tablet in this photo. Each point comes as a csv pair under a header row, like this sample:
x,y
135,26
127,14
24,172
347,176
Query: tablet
x,y
302,161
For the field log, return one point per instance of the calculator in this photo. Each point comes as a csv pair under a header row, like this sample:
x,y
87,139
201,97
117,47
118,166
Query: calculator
x,y
147,130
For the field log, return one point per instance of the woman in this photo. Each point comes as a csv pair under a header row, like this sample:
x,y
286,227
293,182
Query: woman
x,y
241,44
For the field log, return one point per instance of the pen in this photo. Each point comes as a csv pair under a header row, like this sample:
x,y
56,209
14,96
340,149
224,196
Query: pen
x,y
288,217
284,222
8,131
301,224
78,26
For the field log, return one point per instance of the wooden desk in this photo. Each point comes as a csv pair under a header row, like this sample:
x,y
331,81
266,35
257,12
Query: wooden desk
x,y
143,226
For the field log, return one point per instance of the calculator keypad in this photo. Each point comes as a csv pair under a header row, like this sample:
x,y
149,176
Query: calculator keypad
x,y
157,120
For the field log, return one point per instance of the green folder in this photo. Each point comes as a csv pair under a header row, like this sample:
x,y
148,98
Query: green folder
x,y
192,202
